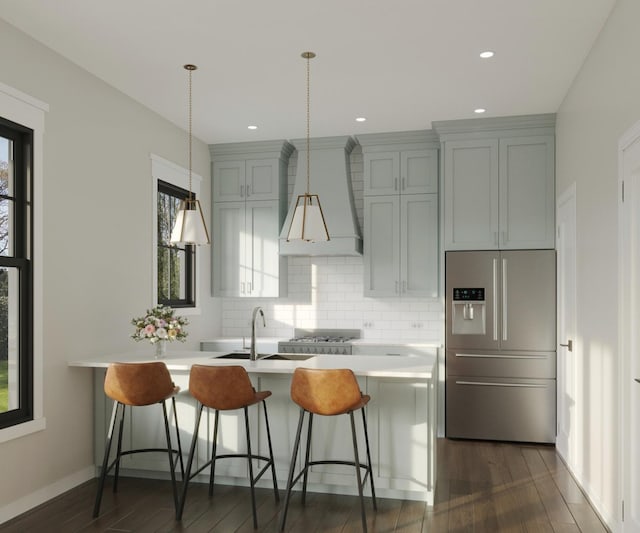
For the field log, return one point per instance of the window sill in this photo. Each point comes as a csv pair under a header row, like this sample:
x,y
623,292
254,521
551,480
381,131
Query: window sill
x,y
21,430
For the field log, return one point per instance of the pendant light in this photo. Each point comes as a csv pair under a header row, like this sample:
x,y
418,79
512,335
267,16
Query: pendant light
x,y
190,227
308,222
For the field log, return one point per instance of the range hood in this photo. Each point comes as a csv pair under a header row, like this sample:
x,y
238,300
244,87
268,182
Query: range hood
x,y
331,181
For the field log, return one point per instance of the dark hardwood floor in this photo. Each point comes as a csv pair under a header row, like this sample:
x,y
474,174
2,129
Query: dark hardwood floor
x,y
482,487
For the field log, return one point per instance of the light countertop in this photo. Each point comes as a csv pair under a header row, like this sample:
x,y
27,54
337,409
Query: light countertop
x,y
362,365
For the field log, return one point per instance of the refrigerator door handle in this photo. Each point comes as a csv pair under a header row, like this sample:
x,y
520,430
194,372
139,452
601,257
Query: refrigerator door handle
x,y
504,299
495,299
500,356
492,384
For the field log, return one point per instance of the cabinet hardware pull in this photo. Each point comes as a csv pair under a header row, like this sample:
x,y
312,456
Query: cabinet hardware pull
x,y
500,356
495,299
242,287
569,345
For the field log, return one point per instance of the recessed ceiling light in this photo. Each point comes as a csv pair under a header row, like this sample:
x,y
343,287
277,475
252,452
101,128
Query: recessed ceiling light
x,y
252,127
486,54
361,119
480,110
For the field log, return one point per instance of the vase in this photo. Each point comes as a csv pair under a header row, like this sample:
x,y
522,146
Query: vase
x,y
161,349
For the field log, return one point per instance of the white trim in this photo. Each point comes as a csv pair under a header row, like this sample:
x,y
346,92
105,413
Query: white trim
x,y
28,111
627,316
40,496
168,171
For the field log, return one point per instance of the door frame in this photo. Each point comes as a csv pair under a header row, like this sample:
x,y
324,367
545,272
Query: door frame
x,y
568,452
628,313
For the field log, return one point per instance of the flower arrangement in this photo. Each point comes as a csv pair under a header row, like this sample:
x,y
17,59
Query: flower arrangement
x,y
160,324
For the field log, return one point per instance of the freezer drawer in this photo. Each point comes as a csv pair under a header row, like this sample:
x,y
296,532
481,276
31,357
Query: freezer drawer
x,y
501,409
540,365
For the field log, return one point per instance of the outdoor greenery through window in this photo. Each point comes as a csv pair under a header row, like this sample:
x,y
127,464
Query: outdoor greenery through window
x,y
16,316
176,263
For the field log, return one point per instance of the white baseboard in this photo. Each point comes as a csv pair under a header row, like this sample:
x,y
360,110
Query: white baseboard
x,y
44,494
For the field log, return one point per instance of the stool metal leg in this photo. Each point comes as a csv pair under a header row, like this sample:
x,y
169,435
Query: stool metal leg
x,y
251,480
172,463
116,475
187,473
273,463
214,449
105,461
294,458
369,464
175,419
358,475
306,460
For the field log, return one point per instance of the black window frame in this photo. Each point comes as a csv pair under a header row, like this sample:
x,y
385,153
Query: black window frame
x,y
22,260
189,250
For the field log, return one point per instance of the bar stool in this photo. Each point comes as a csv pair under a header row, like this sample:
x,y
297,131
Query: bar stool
x,y
226,388
328,393
134,385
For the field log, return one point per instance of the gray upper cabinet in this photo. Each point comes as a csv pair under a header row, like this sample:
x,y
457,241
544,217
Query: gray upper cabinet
x,y
251,179
407,171
499,183
400,214
249,206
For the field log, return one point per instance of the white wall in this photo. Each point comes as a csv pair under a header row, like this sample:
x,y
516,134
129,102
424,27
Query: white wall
x,y
97,249
603,102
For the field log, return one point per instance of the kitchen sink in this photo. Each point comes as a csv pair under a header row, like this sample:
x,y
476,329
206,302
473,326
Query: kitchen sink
x,y
289,356
272,357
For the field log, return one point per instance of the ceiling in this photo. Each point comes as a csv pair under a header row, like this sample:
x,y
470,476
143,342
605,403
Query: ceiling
x,y
400,63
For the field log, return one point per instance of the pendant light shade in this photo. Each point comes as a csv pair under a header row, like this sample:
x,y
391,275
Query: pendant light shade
x,y
308,222
190,227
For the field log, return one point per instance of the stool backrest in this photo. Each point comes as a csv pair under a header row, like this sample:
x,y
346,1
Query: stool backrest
x,y
221,387
326,392
138,383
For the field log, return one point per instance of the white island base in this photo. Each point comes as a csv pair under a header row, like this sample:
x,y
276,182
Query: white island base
x,y
401,417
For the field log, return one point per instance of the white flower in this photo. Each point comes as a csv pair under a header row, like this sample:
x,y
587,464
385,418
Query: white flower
x,y
161,333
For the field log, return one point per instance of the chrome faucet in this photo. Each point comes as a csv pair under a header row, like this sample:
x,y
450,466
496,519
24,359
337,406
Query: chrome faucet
x,y
252,350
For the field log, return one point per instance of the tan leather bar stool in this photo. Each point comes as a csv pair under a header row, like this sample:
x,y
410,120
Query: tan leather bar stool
x,y
226,388
328,393
134,385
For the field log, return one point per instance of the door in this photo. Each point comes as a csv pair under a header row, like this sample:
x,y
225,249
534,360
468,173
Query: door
x,y
527,300
228,181
473,324
419,171
262,270
381,173
262,179
229,250
629,297
568,404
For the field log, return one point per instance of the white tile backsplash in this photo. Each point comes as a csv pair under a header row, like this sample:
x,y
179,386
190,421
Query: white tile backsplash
x,y
327,292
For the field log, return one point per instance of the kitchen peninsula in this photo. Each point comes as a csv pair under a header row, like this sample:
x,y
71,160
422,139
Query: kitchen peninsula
x,y
401,417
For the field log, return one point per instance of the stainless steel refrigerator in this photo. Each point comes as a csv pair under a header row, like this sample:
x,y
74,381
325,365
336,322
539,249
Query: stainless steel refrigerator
x,y
500,345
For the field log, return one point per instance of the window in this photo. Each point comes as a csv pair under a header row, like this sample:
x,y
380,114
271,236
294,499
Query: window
x,y
16,279
175,264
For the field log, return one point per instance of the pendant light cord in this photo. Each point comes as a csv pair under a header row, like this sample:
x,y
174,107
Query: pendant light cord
x,y
308,56
190,134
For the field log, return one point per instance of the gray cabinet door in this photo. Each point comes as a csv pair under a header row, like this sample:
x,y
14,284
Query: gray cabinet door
x,y
229,248
419,171
419,245
228,181
262,268
471,194
262,179
382,245
404,172
527,192
381,173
